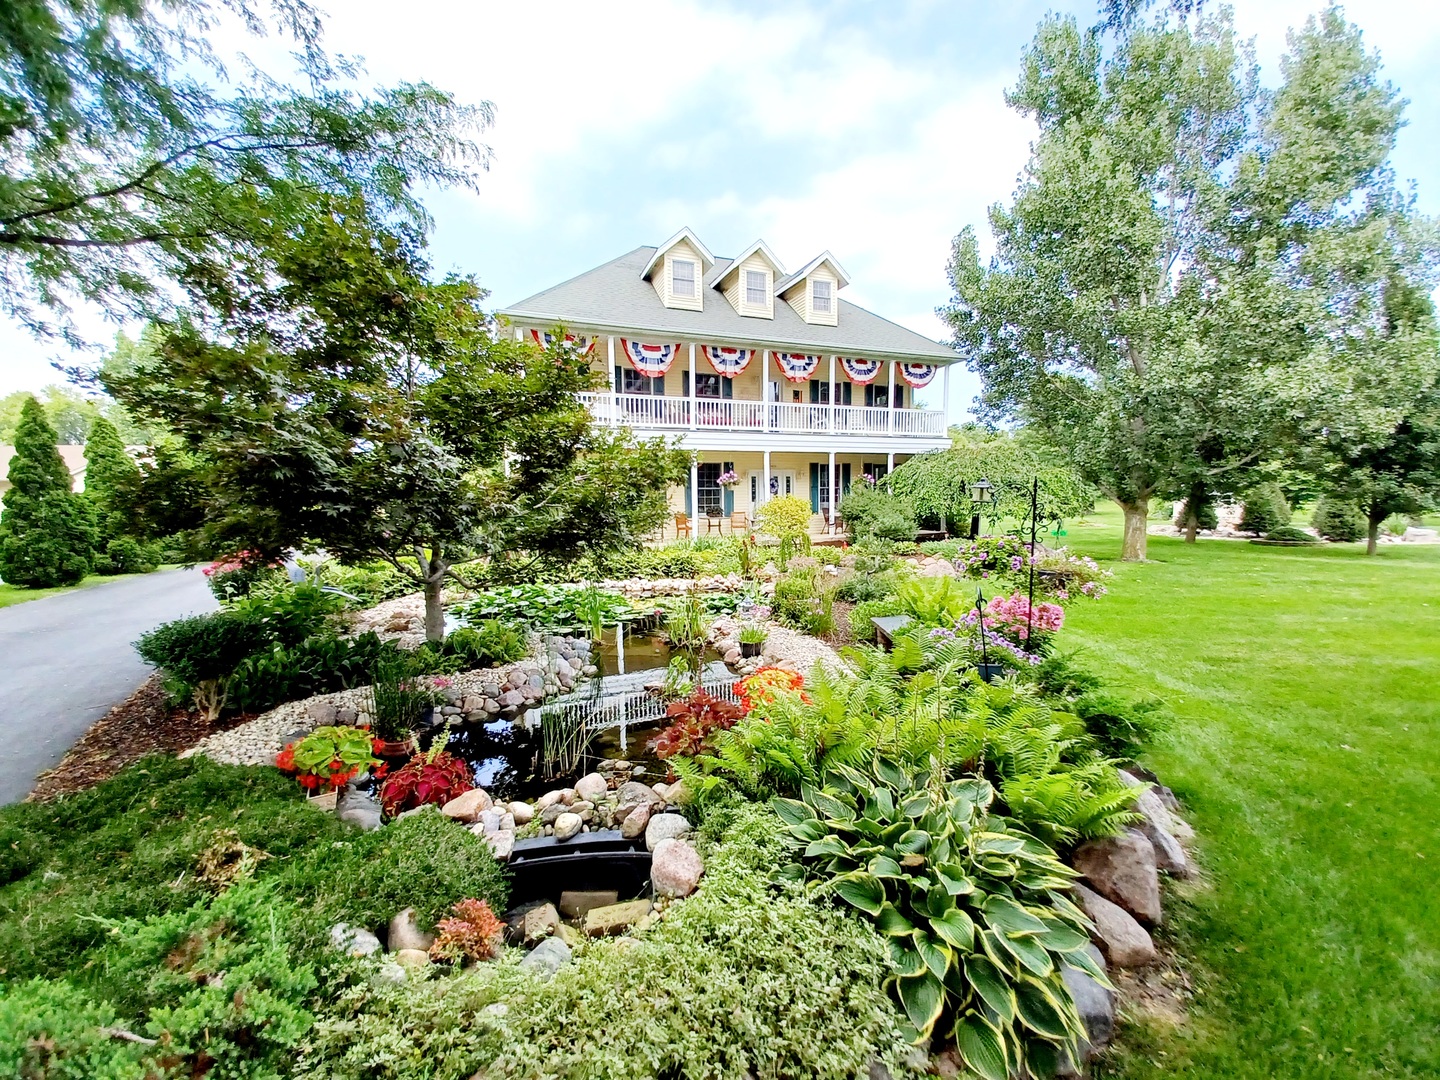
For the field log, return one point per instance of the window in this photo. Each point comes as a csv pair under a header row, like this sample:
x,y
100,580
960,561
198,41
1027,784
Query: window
x,y
630,381
755,287
707,385
682,277
710,497
820,297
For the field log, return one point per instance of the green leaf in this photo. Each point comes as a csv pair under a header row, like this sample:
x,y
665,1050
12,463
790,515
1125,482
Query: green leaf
x,y
1029,952
981,1047
885,803
957,928
922,997
992,985
863,891
916,805
1061,938
1038,1012
913,842
809,830
989,843
884,866
826,845
890,774
904,957
889,921
1005,914
791,811
953,877
936,956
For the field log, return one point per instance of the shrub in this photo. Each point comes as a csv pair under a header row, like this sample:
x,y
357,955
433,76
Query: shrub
x,y
873,513
201,652
974,912
747,977
51,1029
1121,726
803,601
125,555
664,562
1265,509
472,933
1291,535
860,615
46,531
233,576
785,518
1397,524
486,644
860,586
1336,519
319,665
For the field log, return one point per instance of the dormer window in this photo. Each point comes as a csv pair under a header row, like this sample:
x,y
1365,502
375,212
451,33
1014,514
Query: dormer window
x,y
820,297
811,290
755,287
682,273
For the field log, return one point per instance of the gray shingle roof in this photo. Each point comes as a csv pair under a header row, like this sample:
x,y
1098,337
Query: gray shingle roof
x,y
614,297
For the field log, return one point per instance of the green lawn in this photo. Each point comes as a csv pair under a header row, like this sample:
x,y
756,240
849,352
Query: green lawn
x,y
14,594
1307,685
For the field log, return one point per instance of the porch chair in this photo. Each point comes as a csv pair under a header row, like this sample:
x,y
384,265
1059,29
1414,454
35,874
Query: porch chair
x,y
682,526
739,523
837,526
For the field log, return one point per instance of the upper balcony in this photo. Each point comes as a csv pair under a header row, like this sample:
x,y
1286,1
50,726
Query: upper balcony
x,y
710,414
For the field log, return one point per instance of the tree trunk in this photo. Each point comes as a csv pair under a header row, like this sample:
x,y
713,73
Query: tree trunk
x,y
1133,548
434,609
1372,540
1192,525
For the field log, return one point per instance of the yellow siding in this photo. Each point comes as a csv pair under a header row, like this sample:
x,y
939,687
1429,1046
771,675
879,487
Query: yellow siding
x,y
735,287
799,295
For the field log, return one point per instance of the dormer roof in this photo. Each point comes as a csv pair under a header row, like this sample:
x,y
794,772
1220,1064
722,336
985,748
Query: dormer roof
x,y
706,258
758,247
824,258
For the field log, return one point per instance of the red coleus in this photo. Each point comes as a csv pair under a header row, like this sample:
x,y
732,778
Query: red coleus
x,y
693,721
425,779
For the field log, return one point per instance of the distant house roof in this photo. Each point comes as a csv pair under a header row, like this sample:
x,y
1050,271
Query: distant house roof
x,y
615,297
72,454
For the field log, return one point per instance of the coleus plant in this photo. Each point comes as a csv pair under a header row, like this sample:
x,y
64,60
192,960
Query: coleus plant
x,y
329,757
432,777
974,910
692,721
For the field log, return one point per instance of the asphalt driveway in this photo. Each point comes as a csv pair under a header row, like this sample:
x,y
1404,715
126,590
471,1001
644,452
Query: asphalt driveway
x,y
66,660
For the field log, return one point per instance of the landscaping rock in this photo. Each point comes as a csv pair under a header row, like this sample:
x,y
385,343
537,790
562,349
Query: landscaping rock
x,y
605,921
541,922
574,903
1122,940
502,843
548,957
1122,869
675,868
523,812
592,787
468,807
405,933
1094,1003
553,811
388,973
1169,855
550,798
567,795
635,820
634,793
358,809
412,958
664,827
568,825
355,940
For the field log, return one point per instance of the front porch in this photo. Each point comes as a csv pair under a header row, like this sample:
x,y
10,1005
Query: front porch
x,y
731,414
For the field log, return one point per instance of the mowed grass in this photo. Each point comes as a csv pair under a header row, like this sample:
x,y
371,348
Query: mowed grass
x,y
1307,751
16,594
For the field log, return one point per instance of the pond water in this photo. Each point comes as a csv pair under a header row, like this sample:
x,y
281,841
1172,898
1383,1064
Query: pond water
x,y
618,715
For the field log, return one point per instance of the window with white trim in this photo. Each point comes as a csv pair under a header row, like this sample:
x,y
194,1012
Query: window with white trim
x,y
682,277
820,298
755,287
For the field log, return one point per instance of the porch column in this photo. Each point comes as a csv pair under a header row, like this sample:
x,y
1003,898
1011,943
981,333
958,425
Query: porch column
x,y
890,400
833,480
692,386
889,465
694,497
765,396
764,483
945,404
519,334
610,378
832,393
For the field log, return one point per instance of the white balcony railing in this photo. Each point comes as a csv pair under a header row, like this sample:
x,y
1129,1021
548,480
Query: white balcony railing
x,y
728,414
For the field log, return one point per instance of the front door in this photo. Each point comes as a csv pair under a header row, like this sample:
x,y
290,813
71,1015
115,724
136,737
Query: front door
x,y
782,482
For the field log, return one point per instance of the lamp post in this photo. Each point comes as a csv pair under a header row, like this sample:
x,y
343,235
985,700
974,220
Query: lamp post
x,y
981,494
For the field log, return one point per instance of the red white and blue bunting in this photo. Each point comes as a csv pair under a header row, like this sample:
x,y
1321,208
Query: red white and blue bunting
x,y
726,361
651,360
545,339
918,375
860,371
797,367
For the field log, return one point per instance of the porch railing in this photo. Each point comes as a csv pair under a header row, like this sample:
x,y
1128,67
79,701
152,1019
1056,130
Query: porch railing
x,y
650,411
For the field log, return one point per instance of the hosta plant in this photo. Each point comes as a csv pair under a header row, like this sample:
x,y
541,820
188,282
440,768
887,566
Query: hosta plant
x,y
329,757
432,777
974,910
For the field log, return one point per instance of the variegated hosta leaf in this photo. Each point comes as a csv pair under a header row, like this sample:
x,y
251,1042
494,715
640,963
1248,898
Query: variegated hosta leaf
x,y
956,927
863,891
885,867
1032,955
826,845
809,830
1039,1011
826,805
915,806
922,997
982,1047
904,959
955,880
935,954
890,922
913,842
791,811
991,843
1005,914
992,985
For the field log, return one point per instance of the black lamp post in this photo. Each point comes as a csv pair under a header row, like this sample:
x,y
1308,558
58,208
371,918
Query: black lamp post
x,y
981,495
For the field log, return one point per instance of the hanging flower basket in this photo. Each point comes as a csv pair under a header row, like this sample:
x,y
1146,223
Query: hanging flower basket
x,y
728,478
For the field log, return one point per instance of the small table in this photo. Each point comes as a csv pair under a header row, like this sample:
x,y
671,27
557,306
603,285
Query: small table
x,y
887,626
714,523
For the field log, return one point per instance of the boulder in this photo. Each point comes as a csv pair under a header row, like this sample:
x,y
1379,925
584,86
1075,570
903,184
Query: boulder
x,y
548,957
541,922
634,793
1094,1003
591,787
358,809
1122,940
675,868
574,903
1122,869
613,918
553,811
523,812
502,843
511,699
492,820
567,795
388,973
468,807
568,825
635,820
664,827
1169,855
412,958
355,940
405,933
550,798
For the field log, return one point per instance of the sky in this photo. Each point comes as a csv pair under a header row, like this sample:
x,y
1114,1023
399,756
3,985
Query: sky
x,y
877,130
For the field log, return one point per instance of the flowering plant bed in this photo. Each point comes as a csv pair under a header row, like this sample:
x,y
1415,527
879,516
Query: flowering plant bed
x,y
329,757
761,687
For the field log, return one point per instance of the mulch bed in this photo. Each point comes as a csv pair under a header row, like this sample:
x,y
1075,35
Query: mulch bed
x,y
144,723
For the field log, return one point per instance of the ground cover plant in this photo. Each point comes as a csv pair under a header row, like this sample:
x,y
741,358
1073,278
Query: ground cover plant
x,y
1303,744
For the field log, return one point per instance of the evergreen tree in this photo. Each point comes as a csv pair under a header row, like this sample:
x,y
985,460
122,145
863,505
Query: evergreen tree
x,y
46,536
109,471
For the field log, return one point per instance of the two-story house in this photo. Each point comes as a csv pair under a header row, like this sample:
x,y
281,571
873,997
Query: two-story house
x,y
765,373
